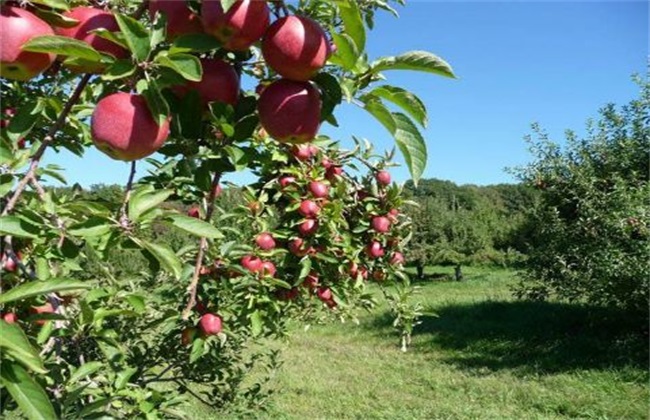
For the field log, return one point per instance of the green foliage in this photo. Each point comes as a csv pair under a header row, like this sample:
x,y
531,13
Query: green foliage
x,y
591,230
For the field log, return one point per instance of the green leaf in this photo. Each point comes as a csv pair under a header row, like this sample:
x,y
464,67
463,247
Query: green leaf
x,y
406,100
55,4
411,144
378,110
56,19
38,288
414,60
62,45
119,70
198,43
331,93
155,100
15,344
24,120
136,37
227,4
353,23
186,65
194,226
94,226
114,37
26,392
256,323
346,54
123,377
197,349
84,370
165,256
15,226
144,199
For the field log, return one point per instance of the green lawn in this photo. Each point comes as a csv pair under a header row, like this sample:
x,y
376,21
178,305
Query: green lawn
x,y
484,355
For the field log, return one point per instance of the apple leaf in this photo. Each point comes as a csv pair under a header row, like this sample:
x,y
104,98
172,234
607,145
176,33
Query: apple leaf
x,y
227,4
62,45
94,226
381,113
15,226
353,23
114,37
136,36
38,288
15,344
194,226
24,120
199,43
119,70
256,323
56,19
406,100
346,54
155,100
411,144
186,65
414,60
84,370
55,4
331,93
26,392
165,256
145,199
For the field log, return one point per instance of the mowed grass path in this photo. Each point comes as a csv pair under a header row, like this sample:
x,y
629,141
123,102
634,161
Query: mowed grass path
x,y
485,355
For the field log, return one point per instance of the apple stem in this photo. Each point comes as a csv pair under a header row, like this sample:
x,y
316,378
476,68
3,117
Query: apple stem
x,y
46,142
124,218
191,289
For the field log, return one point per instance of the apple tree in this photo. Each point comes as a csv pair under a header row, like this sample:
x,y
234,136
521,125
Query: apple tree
x,y
134,78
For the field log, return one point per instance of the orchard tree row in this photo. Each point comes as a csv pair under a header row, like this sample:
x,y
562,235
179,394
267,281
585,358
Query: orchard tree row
x,y
161,80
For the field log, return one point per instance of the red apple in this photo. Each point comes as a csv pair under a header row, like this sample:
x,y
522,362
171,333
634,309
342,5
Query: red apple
x,y
251,263
122,127
210,324
290,111
265,241
397,258
324,294
308,227
311,281
375,250
383,178
380,224
180,19
17,26
194,212
318,189
302,152
8,264
296,47
220,83
91,18
378,275
237,29
285,181
309,209
298,247
268,269
43,309
187,336
392,215
10,318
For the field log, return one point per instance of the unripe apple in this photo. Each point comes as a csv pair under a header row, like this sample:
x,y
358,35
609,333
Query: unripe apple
x,y
383,178
397,258
210,324
122,127
251,263
220,83
180,19
268,269
380,224
375,250
254,206
285,181
311,281
237,29
43,309
194,212
296,47
290,111
91,18
324,294
17,26
302,152
187,336
318,189
308,227
265,241
10,318
309,209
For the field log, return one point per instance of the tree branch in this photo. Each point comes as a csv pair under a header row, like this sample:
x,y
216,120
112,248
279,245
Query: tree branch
x,y
124,218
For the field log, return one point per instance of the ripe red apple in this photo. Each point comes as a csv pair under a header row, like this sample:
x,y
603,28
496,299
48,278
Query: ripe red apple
x,y
290,111
268,269
392,215
43,309
17,26
298,247
265,241
91,18
333,172
308,227
180,19
296,47
309,209
251,263
397,258
324,294
285,181
383,178
243,24
122,127
302,152
220,83
380,224
187,336
194,212
10,318
8,263
375,250
210,324
318,189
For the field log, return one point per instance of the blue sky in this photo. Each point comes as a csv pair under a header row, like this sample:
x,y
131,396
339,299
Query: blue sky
x,y
518,62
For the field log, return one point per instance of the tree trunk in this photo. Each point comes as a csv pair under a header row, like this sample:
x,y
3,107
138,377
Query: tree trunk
x,y
420,270
458,272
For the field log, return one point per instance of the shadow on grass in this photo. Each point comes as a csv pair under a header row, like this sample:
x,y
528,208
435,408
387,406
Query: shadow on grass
x,y
531,337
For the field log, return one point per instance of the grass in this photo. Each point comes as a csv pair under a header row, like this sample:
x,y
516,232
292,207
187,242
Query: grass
x,y
484,355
